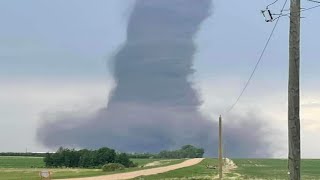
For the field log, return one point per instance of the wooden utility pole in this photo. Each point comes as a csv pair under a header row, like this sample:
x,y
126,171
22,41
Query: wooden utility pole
x,y
294,92
220,148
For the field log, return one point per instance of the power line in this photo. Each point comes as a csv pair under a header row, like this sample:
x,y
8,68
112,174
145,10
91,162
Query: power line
x,y
272,3
259,60
310,8
314,1
287,14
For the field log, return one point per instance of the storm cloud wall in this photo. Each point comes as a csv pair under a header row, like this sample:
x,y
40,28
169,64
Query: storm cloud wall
x,y
153,106
154,65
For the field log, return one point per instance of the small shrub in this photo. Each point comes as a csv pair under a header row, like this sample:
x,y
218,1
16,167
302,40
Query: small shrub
x,y
135,165
112,167
123,159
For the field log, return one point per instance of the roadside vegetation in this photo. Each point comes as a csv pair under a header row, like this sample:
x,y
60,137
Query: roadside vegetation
x,y
85,158
68,163
16,168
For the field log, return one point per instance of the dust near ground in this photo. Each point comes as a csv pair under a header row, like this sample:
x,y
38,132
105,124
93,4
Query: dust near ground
x,y
229,165
157,163
147,172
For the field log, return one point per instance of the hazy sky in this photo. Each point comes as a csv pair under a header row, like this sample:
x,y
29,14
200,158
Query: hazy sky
x,y
54,56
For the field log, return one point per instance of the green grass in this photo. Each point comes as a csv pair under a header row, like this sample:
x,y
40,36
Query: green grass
x,y
28,168
32,174
198,171
274,168
267,169
21,162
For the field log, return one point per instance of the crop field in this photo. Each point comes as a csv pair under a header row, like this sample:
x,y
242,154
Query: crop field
x,y
21,162
27,168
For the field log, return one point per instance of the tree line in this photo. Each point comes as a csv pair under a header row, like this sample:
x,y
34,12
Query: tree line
x,y
86,158
187,151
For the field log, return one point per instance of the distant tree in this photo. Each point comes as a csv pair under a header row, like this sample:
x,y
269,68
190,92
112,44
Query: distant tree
x,y
105,155
199,153
71,157
57,158
187,151
86,158
48,160
123,159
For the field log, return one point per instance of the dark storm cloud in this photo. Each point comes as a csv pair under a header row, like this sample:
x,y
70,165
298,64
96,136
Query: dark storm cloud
x,y
131,127
246,136
153,106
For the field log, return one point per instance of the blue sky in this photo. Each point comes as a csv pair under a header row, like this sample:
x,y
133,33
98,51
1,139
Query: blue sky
x,y
55,55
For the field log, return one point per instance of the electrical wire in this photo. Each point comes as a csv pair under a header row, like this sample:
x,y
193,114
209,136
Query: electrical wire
x,y
272,3
258,62
287,14
310,8
314,1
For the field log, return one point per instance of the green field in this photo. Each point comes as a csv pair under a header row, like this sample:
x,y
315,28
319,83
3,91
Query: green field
x,y
21,162
198,171
274,169
267,169
27,168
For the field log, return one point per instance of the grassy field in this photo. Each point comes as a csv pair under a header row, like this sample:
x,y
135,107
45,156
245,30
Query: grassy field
x,y
274,169
27,168
21,162
198,171
267,169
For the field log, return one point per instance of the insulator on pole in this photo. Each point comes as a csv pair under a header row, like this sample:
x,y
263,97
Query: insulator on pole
x,y
267,15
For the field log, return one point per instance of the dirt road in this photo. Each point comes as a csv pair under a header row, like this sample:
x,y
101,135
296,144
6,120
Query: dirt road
x,y
146,172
